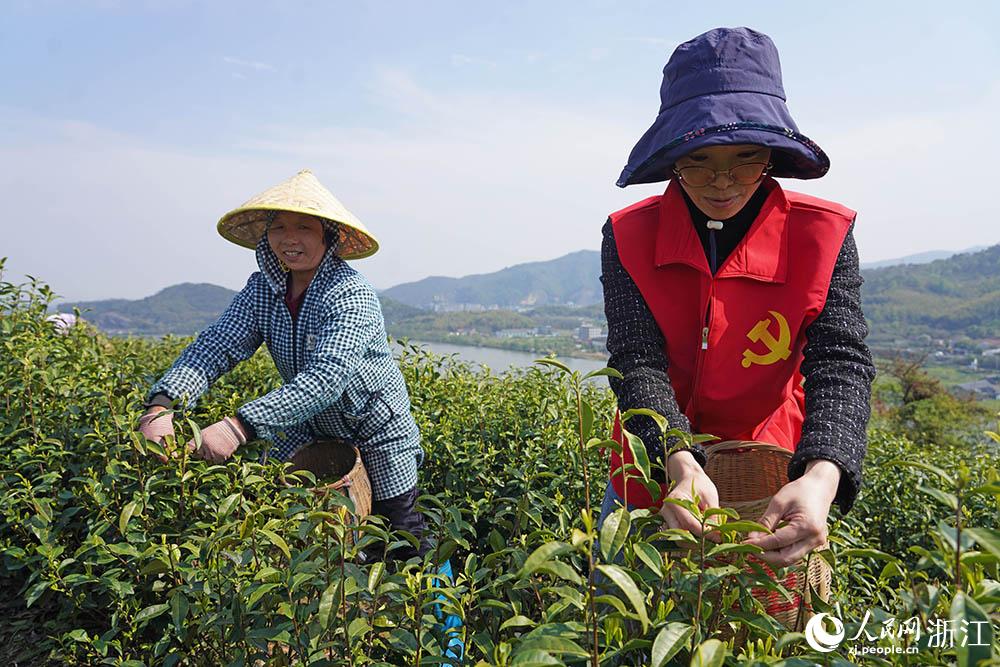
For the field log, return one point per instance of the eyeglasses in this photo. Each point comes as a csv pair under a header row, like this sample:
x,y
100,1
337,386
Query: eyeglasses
x,y
744,174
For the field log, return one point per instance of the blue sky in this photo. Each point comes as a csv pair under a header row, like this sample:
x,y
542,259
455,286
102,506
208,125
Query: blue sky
x,y
467,136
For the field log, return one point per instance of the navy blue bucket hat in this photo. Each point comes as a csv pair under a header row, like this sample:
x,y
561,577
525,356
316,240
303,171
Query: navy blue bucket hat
x,y
723,87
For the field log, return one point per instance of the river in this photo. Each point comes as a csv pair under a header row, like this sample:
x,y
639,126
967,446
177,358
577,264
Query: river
x,y
500,360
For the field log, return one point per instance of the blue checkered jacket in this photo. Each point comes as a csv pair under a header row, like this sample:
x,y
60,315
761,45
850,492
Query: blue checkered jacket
x,y
340,379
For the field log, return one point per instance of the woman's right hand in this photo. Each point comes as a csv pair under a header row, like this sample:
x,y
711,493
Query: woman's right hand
x,y
688,477
155,427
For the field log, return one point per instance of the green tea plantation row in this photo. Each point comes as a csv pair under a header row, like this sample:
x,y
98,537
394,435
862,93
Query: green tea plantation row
x,y
109,557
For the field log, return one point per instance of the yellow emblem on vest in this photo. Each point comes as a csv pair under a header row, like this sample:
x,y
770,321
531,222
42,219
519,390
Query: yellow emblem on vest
x,y
778,349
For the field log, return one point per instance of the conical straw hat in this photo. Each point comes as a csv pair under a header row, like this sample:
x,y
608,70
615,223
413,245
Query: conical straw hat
x,y
301,193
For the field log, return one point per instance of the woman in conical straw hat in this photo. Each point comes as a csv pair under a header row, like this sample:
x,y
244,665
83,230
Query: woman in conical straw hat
x,y
733,305
322,324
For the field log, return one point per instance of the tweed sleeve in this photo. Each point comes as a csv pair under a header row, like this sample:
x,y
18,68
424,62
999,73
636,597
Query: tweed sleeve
x,y
838,371
233,338
636,348
352,320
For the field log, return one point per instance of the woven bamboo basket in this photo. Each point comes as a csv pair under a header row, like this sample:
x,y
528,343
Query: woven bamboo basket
x,y
340,461
747,474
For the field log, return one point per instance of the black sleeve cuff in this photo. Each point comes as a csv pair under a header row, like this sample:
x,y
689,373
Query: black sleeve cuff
x,y
161,400
247,426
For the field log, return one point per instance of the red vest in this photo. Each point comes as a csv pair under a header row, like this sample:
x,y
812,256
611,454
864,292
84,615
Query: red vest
x,y
734,341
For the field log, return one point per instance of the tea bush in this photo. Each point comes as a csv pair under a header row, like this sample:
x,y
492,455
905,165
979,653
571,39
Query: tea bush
x,y
111,557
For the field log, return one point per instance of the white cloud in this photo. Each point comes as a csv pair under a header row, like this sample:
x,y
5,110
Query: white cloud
x,y
249,64
654,41
920,180
462,60
471,182
460,183
466,183
598,53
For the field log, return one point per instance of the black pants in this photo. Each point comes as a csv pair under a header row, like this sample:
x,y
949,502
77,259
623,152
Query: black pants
x,y
402,515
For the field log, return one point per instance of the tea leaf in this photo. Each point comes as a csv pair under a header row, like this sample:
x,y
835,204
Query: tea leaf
x,y
732,548
178,611
947,499
741,526
126,516
639,454
614,532
711,653
948,479
226,506
326,604
661,421
649,555
258,593
150,613
987,538
555,364
542,555
533,658
517,622
375,575
993,488
358,627
604,372
277,541
561,570
628,587
728,512
972,621
671,639
558,645
866,553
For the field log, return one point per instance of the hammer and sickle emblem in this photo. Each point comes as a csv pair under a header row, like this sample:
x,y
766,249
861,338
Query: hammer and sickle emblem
x,y
778,350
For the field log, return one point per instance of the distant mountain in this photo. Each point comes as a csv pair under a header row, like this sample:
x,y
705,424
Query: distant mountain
x,y
393,311
959,295
183,310
180,309
570,279
920,257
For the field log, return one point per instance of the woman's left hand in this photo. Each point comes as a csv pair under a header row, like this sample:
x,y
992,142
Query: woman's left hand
x,y
803,506
220,440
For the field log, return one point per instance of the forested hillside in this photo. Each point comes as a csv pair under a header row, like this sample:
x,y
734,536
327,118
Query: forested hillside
x,y
958,296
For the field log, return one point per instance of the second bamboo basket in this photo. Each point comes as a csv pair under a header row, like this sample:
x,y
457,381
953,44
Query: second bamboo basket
x,y
341,462
747,474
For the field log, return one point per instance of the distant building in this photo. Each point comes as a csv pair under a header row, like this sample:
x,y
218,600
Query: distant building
x,y
524,333
988,389
448,307
589,332
515,333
